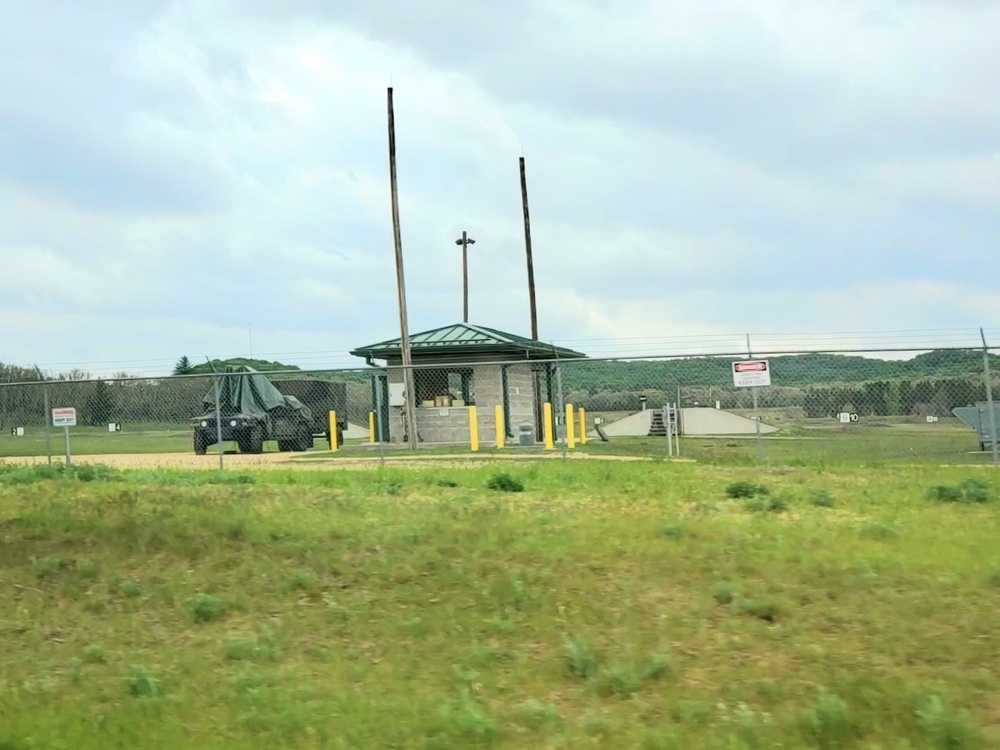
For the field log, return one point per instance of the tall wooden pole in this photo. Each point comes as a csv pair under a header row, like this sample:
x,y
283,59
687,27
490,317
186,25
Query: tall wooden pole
x,y
465,277
404,333
527,249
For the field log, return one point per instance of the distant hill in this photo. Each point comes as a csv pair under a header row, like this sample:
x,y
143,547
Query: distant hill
x,y
261,365
792,370
278,368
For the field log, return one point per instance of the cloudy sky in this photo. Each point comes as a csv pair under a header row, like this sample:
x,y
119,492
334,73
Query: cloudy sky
x,y
173,172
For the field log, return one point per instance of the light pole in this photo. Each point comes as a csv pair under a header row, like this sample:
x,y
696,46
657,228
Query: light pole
x,y
465,241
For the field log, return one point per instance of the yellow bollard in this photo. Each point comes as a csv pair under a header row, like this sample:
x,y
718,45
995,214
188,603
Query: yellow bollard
x,y
583,426
570,441
500,426
547,416
371,427
333,431
473,429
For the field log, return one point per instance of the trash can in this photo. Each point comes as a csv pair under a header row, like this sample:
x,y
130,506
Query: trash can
x,y
526,434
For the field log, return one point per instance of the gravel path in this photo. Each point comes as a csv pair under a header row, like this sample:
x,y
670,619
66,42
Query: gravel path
x,y
284,461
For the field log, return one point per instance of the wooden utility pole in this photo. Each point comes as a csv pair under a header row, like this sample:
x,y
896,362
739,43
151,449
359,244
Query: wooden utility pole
x,y
465,241
404,333
527,249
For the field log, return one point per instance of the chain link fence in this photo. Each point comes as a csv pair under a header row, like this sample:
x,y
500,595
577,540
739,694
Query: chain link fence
x,y
808,408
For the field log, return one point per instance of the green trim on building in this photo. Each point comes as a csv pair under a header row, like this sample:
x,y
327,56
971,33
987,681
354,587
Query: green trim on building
x,y
464,339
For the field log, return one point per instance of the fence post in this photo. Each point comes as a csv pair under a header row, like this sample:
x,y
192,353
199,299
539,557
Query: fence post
x,y
218,424
989,394
547,427
756,412
666,424
563,433
473,429
570,427
48,423
501,428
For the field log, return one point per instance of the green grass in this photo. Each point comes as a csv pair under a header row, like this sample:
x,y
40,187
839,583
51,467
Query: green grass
x,y
605,605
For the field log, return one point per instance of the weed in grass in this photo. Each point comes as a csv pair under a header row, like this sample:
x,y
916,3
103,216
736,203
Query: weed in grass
x,y
878,532
947,730
821,498
302,579
581,661
597,726
625,678
205,607
261,649
724,592
767,504
504,482
762,610
536,715
143,683
673,531
446,483
466,718
968,491
94,655
131,589
47,567
829,721
742,489
87,570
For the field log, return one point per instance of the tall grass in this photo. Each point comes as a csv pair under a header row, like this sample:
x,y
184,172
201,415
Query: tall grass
x,y
612,604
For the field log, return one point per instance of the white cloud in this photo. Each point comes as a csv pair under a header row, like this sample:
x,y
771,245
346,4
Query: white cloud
x,y
172,172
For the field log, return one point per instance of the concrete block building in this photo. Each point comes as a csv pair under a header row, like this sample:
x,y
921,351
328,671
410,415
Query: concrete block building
x,y
459,366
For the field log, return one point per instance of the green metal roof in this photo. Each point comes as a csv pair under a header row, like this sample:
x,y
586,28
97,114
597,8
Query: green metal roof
x,y
463,338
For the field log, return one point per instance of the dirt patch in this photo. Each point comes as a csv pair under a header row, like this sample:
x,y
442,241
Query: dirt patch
x,y
239,461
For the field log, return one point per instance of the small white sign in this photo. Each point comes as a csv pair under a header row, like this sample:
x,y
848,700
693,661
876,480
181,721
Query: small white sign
x,y
848,417
931,419
17,431
64,417
114,427
751,373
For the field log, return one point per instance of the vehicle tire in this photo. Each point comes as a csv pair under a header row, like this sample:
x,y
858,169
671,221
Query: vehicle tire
x,y
200,445
340,436
304,441
256,442
287,445
243,441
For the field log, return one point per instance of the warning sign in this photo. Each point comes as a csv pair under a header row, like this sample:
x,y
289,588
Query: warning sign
x,y
64,417
751,373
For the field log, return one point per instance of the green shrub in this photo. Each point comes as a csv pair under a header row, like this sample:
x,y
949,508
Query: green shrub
x,y
822,498
830,723
503,482
968,491
205,608
581,661
625,678
724,592
143,683
739,490
762,610
945,729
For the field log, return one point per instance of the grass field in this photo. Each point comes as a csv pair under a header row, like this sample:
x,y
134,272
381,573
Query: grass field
x,y
616,605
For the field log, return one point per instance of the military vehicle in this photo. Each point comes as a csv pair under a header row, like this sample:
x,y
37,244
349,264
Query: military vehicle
x,y
252,410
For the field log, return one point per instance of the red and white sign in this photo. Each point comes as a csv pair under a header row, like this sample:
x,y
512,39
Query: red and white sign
x,y
64,417
751,373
